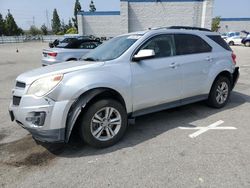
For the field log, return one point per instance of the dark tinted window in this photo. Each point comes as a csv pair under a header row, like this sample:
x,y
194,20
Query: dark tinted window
x,y
88,45
163,45
220,41
190,44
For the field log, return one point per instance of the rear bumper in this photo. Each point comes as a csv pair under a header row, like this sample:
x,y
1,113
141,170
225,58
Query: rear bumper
x,y
46,62
235,75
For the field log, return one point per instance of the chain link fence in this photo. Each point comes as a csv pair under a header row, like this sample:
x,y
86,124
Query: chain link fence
x,y
20,39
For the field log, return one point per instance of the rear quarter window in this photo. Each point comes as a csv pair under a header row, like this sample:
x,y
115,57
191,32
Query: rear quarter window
x,y
220,41
190,44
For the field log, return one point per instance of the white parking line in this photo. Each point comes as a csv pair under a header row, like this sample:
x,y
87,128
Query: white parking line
x,y
201,130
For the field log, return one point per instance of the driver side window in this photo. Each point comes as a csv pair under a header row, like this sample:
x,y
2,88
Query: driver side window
x,y
163,46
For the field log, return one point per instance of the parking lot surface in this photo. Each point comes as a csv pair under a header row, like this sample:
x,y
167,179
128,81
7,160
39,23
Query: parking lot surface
x,y
189,146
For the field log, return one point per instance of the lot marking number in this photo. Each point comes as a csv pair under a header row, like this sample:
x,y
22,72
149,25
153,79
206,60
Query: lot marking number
x,y
201,130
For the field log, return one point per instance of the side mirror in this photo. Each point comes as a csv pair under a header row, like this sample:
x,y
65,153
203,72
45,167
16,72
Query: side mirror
x,y
144,54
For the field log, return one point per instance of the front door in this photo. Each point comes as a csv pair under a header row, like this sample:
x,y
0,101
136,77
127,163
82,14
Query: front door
x,y
157,80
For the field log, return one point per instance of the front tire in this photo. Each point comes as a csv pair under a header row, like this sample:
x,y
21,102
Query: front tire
x,y
220,92
247,44
104,123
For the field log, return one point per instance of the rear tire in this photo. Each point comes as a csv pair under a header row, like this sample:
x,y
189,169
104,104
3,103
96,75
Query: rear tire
x,y
104,123
219,93
231,43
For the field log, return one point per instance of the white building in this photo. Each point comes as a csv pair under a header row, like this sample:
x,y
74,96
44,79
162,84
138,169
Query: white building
x,y
234,24
135,15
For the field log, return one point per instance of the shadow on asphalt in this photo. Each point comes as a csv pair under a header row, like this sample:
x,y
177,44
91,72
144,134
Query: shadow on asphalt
x,y
147,127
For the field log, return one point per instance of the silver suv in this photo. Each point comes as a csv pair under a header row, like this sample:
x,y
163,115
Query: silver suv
x,y
128,76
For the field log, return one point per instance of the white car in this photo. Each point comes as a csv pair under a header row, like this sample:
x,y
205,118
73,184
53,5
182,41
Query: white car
x,y
233,38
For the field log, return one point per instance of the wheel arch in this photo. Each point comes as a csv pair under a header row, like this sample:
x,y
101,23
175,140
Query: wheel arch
x,y
71,59
224,73
86,99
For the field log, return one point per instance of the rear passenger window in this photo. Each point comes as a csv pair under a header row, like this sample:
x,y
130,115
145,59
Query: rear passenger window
x,y
190,44
220,41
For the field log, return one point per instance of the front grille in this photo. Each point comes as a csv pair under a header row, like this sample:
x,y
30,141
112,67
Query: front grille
x,y
20,84
16,100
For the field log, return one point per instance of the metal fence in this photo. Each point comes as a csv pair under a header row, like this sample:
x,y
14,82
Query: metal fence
x,y
20,39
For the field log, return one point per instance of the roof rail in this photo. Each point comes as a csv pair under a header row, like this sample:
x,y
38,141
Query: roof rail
x,y
189,28
182,27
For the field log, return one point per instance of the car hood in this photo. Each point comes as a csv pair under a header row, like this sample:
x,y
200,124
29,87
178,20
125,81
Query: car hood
x,y
61,68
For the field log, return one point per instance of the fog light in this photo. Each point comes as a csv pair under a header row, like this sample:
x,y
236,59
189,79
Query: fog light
x,y
37,118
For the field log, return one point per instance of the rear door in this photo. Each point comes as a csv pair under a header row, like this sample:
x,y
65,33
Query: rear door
x,y
156,80
195,59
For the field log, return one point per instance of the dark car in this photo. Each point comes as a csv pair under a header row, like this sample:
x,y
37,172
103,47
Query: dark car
x,y
246,40
69,39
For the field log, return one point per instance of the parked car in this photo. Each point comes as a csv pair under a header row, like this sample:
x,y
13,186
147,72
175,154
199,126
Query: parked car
x,y
69,38
127,76
224,35
233,38
246,40
71,51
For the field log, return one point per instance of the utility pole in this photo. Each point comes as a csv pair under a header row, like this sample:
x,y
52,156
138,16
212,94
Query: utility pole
x,y
33,21
47,19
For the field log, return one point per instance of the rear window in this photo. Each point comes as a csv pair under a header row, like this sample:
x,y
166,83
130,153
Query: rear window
x,y
220,41
190,44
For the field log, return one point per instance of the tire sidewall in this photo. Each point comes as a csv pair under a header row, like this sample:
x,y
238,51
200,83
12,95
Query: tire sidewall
x,y
231,43
212,96
85,129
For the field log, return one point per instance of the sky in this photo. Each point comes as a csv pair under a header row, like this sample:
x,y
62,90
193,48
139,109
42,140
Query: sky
x,y
27,12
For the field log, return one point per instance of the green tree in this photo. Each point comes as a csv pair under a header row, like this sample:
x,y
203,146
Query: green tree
x,y
215,24
44,29
55,22
92,7
2,25
76,10
11,27
34,31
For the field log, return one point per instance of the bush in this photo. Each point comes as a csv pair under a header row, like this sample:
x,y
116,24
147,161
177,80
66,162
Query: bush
x,y
60,33
71,30
34,31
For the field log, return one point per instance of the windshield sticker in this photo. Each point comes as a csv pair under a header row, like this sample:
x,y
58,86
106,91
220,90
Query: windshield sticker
x,y
136,37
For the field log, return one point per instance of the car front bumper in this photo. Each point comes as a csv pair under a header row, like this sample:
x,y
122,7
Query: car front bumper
x,y
44,118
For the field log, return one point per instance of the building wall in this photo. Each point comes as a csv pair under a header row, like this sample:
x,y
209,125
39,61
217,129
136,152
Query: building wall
x,y
136,15
159,14
234,24
106,24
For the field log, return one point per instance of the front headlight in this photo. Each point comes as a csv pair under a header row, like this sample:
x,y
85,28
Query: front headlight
x,y
44,85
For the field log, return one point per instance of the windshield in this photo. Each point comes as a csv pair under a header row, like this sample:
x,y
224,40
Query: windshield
x,y
111,49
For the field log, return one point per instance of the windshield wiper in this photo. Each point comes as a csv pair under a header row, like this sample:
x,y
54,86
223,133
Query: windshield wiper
x,y
90,59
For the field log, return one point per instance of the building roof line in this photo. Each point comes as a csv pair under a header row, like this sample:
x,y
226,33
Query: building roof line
x,y
99,13
143,1
235,19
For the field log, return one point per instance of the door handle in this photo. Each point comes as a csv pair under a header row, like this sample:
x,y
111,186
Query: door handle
x,y
173,65
210,59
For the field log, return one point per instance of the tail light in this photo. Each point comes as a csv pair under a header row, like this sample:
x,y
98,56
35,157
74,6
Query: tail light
x,y
234,58
52,54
